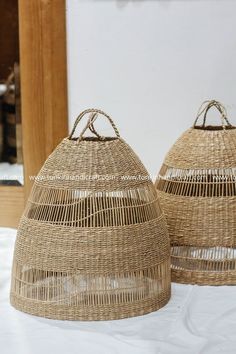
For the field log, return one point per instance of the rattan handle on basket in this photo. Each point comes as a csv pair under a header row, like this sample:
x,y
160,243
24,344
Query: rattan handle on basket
x,y
93,116
205,108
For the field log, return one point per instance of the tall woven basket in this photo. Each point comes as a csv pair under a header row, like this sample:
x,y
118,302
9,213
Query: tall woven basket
x,y
92,243
197,190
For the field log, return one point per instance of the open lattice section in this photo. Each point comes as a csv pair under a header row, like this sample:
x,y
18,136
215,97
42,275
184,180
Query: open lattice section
x,y
82,208
197,182
77,288
76,295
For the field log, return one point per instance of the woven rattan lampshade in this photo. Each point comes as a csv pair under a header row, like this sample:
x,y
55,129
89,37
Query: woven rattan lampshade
x,y
92,243
197,190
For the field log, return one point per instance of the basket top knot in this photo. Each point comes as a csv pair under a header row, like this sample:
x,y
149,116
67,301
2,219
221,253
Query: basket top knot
x,y
90,124
93,163
203,111
205,146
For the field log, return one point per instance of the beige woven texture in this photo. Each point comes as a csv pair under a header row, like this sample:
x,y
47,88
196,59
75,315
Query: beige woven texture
x,y
92,243
197,190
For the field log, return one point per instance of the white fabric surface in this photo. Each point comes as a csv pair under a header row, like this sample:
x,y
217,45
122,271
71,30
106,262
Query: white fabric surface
x,y
196,320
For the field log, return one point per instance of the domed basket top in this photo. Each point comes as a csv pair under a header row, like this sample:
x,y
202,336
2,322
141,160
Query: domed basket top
x,y
205,147
94,163
197,190
92,243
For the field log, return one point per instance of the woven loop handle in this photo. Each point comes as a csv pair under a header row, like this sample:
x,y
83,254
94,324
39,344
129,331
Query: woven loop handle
x,y
93,116
206,106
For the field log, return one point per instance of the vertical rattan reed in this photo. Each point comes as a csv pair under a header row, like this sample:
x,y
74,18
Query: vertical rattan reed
x,y
92,243
197,190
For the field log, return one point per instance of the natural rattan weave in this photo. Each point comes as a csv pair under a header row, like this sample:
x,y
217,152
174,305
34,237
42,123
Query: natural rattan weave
x,y
197,190
92,243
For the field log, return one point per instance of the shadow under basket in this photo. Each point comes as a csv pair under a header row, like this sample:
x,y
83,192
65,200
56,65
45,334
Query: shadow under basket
x,y
91,249
197,191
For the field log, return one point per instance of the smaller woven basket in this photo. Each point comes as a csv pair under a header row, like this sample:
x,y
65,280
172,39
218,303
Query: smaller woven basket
x,y
92,243
197,190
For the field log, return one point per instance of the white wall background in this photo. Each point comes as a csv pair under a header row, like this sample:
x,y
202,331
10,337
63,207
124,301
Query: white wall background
x,y
150,63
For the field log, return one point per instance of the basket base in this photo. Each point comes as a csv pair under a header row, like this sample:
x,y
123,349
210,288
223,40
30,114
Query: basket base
x,y
203,265
213,278
90,313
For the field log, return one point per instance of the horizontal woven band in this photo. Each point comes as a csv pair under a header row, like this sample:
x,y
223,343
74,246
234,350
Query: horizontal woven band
x,y
94,250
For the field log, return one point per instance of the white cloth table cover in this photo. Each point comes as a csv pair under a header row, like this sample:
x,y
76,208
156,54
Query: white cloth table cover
x,y
196,320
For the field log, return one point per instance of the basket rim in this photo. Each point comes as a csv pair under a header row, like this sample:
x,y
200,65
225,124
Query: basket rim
x,y
213,128
93,139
